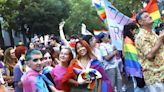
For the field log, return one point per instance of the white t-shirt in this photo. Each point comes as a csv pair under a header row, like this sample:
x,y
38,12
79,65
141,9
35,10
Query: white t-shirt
x,y
107,49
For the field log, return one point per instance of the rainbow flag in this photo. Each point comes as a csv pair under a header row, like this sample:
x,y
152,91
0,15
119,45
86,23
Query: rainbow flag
x,y
132,66
100,11
97,32
153,10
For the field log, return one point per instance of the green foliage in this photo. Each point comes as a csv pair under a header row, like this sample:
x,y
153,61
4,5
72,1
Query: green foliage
x,y
41,16
8,10
82,11
127,7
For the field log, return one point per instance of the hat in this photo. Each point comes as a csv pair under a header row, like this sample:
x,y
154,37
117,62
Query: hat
x,y
101,35
87,38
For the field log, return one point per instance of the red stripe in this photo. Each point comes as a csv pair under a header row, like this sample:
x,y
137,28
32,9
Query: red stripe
x,y
100,30
151,6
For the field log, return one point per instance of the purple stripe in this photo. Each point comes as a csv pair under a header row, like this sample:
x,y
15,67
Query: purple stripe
x,y
134,72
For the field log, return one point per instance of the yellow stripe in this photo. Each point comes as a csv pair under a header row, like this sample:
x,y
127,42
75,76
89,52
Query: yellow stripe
x,y
155,15
101,12
130,48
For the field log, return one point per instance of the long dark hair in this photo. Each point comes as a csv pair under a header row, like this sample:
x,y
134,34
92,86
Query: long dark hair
x,y
127,31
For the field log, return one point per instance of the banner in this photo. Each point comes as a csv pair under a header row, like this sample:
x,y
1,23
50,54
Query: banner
x,y
116,21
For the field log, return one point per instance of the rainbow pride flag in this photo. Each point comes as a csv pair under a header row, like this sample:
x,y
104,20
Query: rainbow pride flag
x,y
153,10
132,66
97,32
100,11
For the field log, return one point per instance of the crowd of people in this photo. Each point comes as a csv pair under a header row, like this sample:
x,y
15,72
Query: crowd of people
x,y
87,64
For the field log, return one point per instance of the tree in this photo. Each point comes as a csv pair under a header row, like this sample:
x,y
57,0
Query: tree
x,y
128,7
8,10
41,16
82,11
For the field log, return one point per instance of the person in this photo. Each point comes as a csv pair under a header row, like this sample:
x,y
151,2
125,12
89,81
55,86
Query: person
x,y
93,42
20,67
2,82
10,61
85,72
110,62
159,28
72,41
2,72
151,53
33,80
47,65
2,64
131,63
57,73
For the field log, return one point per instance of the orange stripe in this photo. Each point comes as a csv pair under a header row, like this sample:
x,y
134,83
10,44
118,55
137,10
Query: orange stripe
x,y
127,40
100,30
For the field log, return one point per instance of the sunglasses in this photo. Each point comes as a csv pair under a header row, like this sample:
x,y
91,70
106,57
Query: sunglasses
x,y
37,59
45,58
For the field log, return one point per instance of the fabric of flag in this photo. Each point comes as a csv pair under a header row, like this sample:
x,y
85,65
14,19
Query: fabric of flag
x,y
47,69
97,32
84,30
132,66
74,69
116,21
89,75
100,11
153,10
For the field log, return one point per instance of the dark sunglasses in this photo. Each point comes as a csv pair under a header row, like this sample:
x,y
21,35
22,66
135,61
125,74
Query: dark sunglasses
x,y
45,58
37,59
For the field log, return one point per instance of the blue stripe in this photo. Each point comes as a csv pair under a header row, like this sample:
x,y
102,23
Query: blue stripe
x,y
132,64
104,86
40,85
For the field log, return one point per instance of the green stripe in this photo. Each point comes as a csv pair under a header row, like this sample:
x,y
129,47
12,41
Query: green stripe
x,y
131,56
156,22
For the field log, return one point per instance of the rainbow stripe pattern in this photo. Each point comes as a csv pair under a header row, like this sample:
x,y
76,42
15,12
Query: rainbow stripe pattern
x,y
132,66
100,11
153,10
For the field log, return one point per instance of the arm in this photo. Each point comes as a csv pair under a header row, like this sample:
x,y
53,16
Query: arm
x,y
109,57
156,47
99,85
62,36
53,89
74,82
105,54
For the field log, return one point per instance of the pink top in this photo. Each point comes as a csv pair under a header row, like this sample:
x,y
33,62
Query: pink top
x,y
33,82
57,74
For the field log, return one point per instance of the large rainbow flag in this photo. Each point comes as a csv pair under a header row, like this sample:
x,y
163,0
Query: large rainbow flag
x,y
132,66
153,10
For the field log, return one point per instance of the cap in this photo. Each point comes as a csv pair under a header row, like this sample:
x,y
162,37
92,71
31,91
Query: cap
x,y
101,35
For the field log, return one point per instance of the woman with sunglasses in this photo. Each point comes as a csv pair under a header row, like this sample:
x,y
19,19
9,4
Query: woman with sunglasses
x,y
65,56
